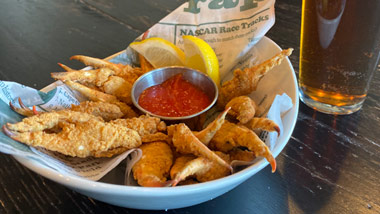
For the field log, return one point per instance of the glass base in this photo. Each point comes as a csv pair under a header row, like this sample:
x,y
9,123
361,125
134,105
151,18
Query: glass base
x,y
327,108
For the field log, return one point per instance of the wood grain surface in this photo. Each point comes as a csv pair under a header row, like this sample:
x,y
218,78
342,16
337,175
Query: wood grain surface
x,y
330,165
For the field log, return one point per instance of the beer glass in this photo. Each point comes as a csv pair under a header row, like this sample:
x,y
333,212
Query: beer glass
x,y
339,53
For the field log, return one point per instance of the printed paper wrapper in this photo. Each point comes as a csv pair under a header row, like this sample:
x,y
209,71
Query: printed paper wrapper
x,y
232,31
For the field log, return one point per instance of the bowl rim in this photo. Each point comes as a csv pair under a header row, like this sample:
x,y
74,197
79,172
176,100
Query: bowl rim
x,y
137,105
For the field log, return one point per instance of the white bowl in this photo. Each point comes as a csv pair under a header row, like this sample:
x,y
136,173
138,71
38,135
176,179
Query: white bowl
x,y
181,196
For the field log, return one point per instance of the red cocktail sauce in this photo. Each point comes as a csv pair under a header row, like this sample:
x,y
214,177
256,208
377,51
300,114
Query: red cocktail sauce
x,y
176,97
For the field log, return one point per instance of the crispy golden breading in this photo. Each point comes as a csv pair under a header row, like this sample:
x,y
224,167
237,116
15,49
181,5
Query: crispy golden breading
x,y
75,134
231,135
144,125
153,168
96,77
202,168
208,133
107,111
158,136
263,124
243,108
118,87
95,95
179,163
241,155
216,170
185,142
189,168
245,81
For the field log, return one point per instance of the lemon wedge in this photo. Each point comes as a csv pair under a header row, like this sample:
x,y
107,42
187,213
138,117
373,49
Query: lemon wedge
x,y
159,52
200,56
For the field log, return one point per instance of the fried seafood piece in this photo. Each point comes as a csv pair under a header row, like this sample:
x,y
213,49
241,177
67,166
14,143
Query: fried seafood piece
x,y
208,133
23,110
95,95
96,62
153,168
127,72
243,108
96,77
263,124
245,81
241,155
107,111
76,134
186,166
231,135
186,142
200,167
143,124
102,79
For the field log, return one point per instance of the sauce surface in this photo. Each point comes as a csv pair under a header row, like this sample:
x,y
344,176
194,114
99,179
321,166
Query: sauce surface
x,y
176,97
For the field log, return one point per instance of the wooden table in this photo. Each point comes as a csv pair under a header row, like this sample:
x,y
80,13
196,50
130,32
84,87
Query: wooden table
x,y
330,165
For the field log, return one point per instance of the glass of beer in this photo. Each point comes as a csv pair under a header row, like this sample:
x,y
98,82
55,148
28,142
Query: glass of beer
x,y
339,53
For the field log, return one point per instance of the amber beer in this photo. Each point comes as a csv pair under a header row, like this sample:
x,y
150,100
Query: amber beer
x,y
340,46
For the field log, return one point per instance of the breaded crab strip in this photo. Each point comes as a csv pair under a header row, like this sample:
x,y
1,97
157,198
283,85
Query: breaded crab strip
x,y
262,123
208,133
127,72
245,81
96,77
231,135
76,134
186,142
203,169
148,127
107,111
153,168
243,108
95,95
49,120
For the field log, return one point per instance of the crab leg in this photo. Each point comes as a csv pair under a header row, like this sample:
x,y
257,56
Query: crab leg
x,y
263,123
206,134
186,142
95,95
97,77
245,81
23,110
231,135
197,165
95,62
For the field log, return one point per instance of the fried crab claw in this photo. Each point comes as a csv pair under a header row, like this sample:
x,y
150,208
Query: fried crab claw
x,y
231,135
74,134
96,95
23,109
245,81
208,133
201,168
186,142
